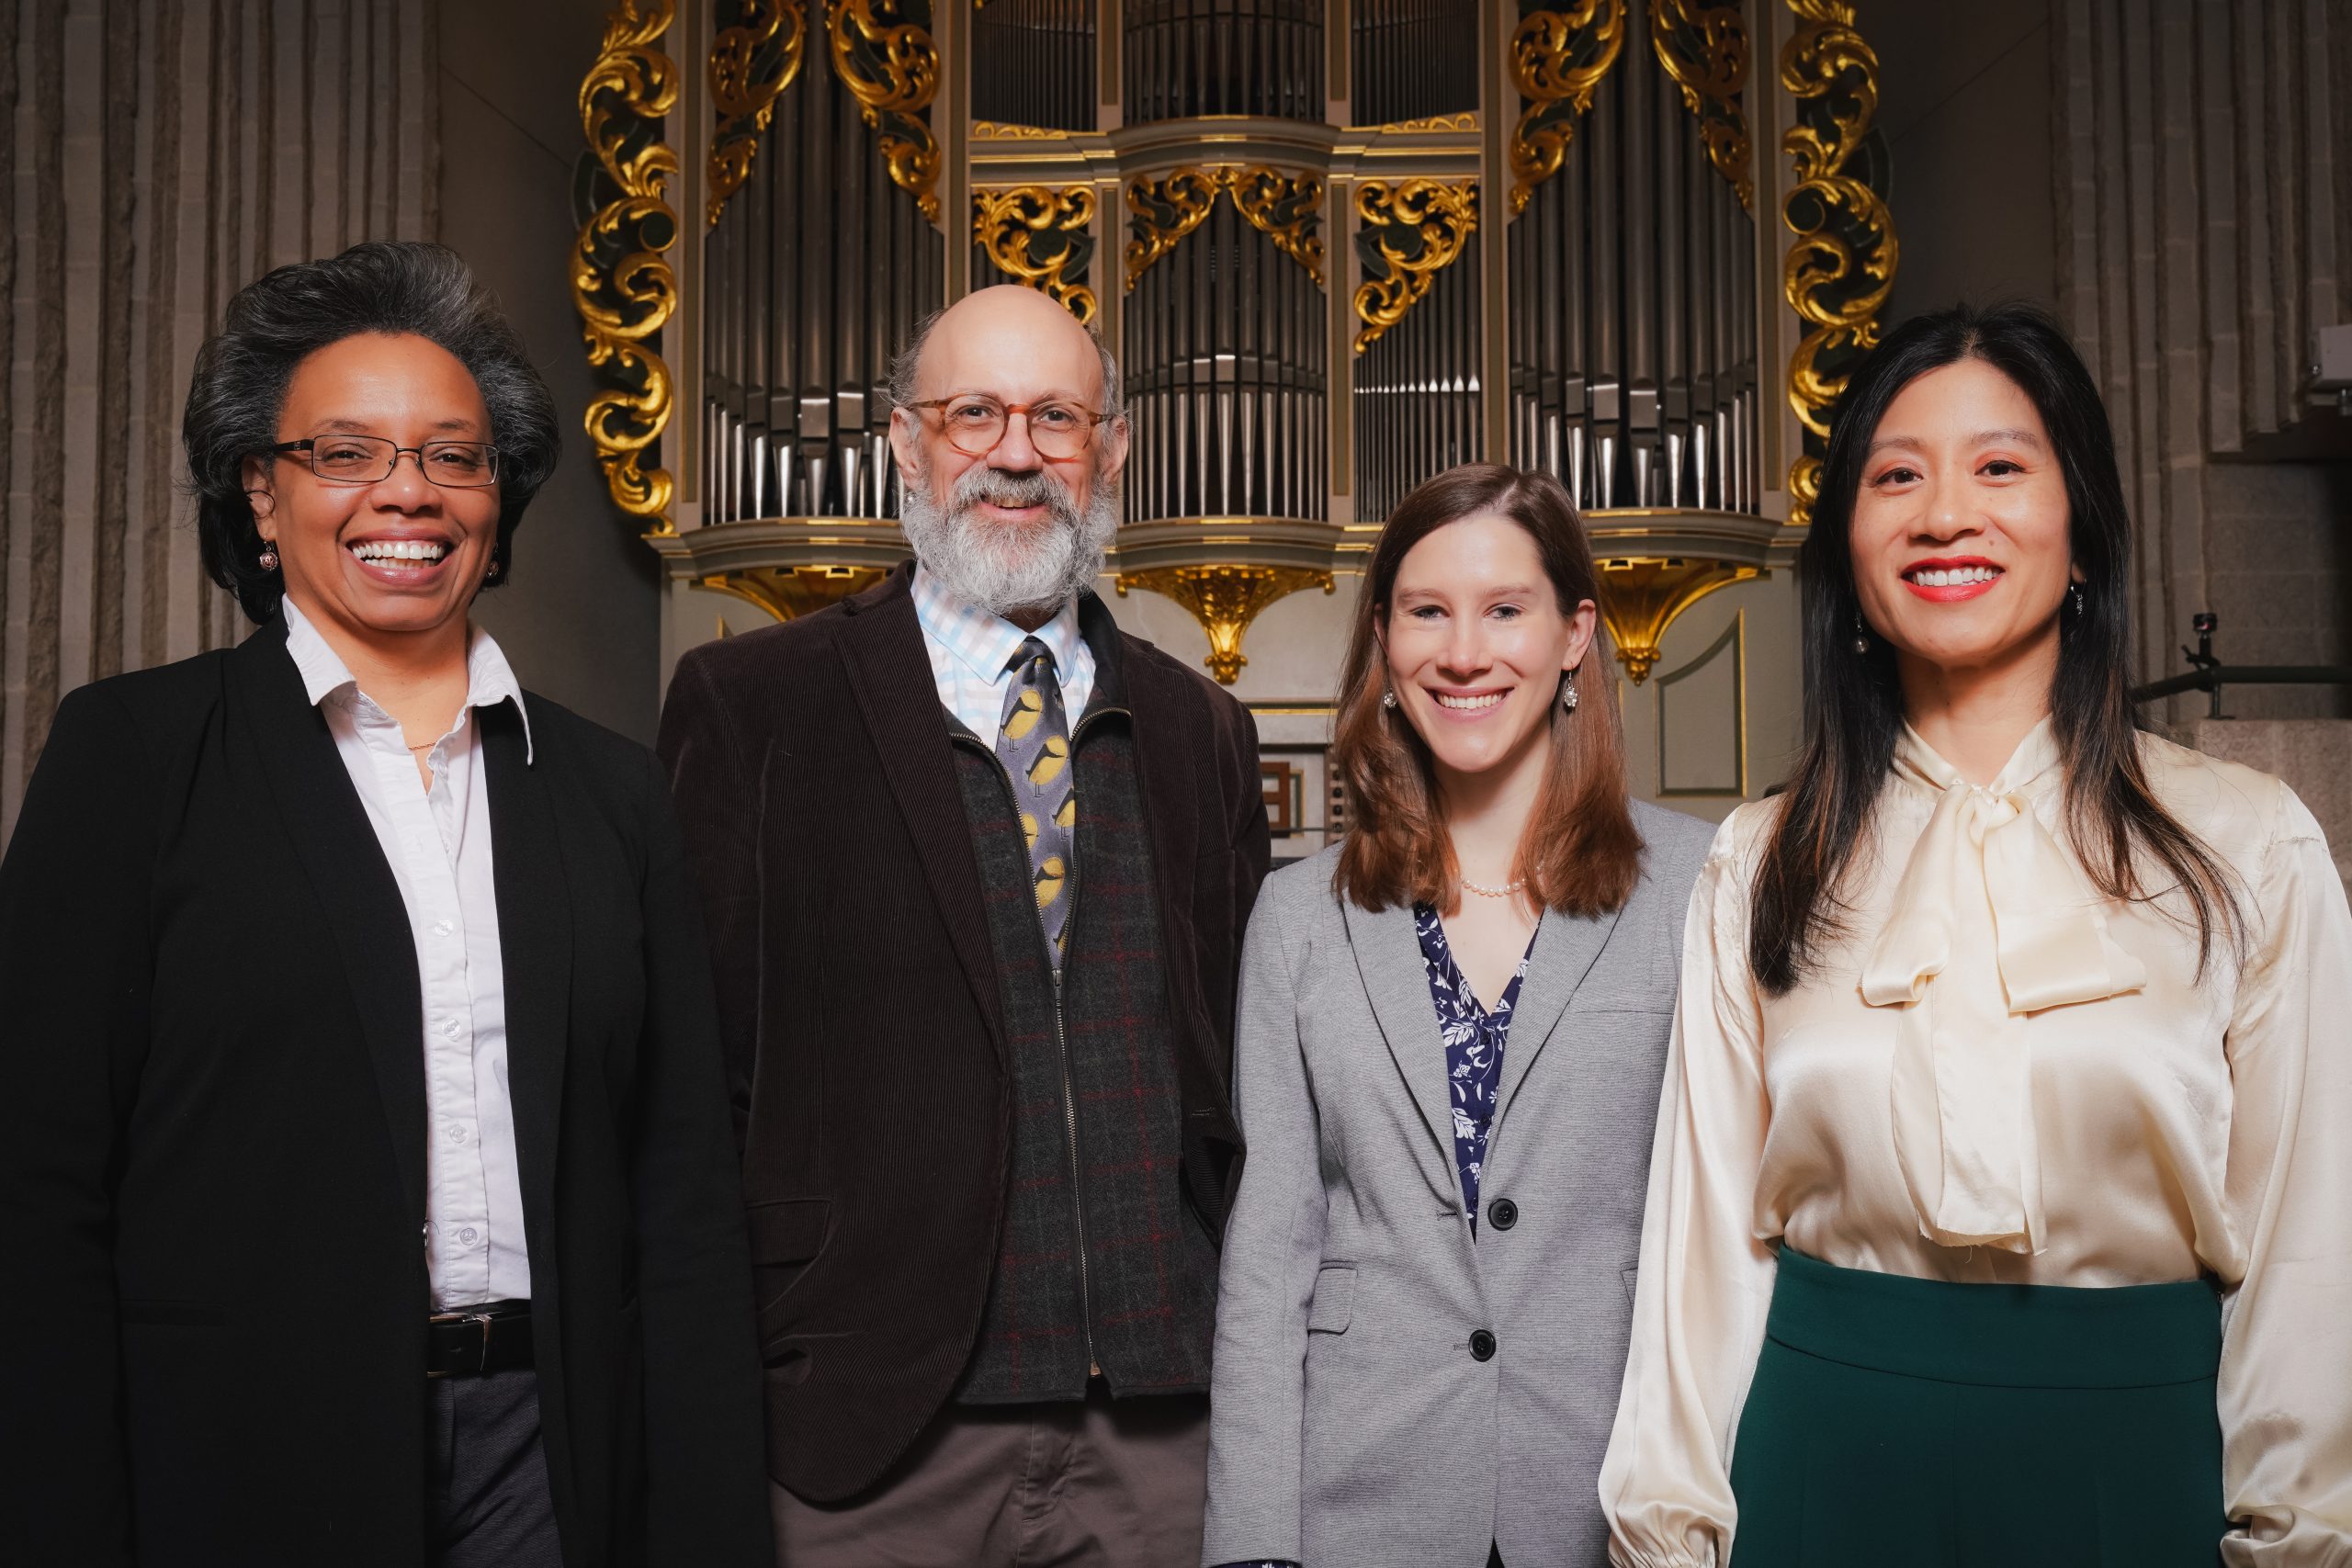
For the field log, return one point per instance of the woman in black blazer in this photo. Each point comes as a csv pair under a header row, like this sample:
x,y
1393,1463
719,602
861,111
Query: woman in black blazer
x,y
366,1178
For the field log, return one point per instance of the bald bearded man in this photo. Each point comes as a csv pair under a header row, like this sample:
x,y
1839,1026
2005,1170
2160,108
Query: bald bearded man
x,y
975,866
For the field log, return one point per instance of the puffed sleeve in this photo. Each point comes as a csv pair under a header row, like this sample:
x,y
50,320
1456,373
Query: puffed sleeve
x,y
2286,1382
1705,1279
1273,1246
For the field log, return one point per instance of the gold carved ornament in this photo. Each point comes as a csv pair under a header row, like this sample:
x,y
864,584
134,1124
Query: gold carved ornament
x,y
1225,600
752,63
1414,231
889,63
1011,225
1557,58
621,285
790,592
1641,596
1286,208
1704,48
1841,267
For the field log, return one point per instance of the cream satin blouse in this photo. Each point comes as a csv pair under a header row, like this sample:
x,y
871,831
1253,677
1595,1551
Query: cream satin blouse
x,y
1998,1075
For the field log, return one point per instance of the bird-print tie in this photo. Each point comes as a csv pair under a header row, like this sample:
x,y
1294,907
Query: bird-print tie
x,y
1034,744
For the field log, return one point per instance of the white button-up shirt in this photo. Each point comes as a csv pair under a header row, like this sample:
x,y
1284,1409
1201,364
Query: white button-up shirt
x,y
971,654
436,841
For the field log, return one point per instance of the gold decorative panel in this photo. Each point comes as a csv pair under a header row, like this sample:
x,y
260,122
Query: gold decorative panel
x,y
1286,208
1042,237
788,592
1414,229
1704,48
1641,596
889,63
752,63
1557,58
1225,600
1841,267
622,284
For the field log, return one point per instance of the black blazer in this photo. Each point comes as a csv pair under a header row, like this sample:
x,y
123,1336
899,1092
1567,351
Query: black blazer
x,y
859,1002
212,1128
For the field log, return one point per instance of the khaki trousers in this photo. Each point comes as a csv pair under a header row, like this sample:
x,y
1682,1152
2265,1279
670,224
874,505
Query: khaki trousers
x,y
1098,1485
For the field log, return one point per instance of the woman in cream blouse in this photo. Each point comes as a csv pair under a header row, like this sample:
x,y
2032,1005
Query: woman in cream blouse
x,y
2001,1206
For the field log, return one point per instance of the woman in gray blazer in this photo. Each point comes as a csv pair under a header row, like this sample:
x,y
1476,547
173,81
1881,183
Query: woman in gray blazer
x,y
1452,1027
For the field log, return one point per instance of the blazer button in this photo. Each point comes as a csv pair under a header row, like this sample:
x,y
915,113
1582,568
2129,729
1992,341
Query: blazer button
x,y
1502,1213
1482,1345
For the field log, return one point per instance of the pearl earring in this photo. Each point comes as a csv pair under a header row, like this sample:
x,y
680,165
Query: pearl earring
x,y
1861,636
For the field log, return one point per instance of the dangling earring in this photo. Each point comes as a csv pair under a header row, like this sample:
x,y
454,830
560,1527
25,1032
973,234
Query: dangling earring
x,y
1388,699
1861,636
268,560
497,572
1568,692
2074,597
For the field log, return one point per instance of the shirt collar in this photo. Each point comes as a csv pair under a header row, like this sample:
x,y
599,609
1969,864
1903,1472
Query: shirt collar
x,y
2034,767
984,642
490,680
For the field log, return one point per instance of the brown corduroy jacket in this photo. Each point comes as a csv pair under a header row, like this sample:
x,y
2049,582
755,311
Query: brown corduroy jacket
x,y
859,1004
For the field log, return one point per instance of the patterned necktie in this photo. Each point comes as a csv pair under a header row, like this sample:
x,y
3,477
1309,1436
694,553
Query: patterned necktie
x,y
1034,744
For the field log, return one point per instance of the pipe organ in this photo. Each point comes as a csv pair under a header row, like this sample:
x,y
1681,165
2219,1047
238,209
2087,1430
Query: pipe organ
x,y
1337,245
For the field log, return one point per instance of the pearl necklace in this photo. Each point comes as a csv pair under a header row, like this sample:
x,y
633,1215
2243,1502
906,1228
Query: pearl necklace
x,y
1505,892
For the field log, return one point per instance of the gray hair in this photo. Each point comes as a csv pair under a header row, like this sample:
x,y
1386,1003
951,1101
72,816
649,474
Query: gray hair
x,y
239,387
909,359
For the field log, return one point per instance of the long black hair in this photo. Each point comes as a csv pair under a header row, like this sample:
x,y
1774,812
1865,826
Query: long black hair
x,y
1853,703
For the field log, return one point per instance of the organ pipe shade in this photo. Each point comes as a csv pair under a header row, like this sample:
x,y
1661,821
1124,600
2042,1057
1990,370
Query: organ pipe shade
x,y
817,271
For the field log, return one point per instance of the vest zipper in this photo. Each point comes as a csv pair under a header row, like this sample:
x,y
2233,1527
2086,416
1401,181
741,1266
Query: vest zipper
x,y
1061,1030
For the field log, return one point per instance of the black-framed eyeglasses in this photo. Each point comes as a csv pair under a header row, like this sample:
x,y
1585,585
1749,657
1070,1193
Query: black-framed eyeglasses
x,y
370,460
974,422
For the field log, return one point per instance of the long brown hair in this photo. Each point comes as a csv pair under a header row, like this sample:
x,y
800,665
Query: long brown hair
x,y
1579,854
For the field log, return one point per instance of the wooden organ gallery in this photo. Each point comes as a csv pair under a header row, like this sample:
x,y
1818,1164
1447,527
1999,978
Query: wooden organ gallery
x,y
1336,247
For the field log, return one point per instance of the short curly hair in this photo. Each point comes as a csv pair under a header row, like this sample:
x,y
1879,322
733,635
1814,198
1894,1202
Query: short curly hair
x,y
239,387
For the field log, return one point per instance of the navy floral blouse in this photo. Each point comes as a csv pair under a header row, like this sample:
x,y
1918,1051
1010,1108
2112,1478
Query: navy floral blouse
x,y
1473,1048
1474,1066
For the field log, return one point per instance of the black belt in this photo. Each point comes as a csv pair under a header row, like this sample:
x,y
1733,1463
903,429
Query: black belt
x,y
493,1337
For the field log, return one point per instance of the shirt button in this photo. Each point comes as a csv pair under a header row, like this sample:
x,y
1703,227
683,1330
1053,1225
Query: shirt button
x,y
468,1235
1482,1345
1502,1213
456,1133
450,1029
441,928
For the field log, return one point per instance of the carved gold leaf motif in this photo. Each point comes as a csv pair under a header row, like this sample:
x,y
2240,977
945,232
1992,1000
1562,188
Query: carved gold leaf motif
x,y
1225,600
887,59
1704,48
1286,208
621,283
1413,230
1641,596
752,63
1040,236
1557,58
1841,267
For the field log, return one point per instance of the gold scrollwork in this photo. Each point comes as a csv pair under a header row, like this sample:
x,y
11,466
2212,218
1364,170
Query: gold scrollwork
x,y
887,60
993,131
1704,46
1557,58
1225,600
1641,596
752,63
1018,228
1412,230
788,593
1841,267
1466,120
622,286
1286,208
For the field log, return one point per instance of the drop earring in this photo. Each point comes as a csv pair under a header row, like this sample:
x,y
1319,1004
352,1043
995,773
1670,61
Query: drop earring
x,y
269,559
2074,597
1569,692
1861,636
497,572
1388,699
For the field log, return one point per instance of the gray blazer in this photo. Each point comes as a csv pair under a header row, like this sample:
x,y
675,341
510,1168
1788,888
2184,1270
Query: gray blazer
x,y
1352,1424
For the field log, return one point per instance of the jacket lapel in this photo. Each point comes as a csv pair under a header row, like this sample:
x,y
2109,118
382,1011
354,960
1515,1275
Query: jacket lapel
x,y
1566,946
320,812
890,674
1396,980
534,954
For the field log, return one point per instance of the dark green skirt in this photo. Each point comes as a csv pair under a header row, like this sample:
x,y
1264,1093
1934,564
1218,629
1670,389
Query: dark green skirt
x,y
1907,1423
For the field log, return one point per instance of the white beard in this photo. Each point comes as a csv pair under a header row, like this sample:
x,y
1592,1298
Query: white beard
x,y
1000,570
